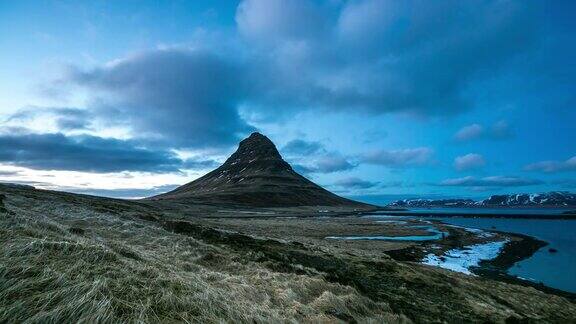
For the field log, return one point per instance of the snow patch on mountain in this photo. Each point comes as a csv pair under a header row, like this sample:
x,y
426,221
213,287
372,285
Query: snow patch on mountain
x,y
548,199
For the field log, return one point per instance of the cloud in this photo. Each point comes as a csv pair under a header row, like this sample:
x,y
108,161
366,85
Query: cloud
x,y
4,173
302,147
274,20
493,181
565,183
193,164
370,56
126,193
380,56
469,161
399,158
27,183
355,183
308,157
332,163
500,130
83,153
66,118
469,132
328,163
186,97
365,56
553,166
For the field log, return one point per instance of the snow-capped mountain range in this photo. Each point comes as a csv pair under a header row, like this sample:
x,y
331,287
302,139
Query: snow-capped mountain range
x,y
548,199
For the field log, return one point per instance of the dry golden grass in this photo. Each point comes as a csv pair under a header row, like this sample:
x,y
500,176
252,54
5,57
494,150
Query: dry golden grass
x,y
64,262
70,258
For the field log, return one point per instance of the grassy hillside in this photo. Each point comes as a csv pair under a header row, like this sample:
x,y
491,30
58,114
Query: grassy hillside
x,y
64,260
71,258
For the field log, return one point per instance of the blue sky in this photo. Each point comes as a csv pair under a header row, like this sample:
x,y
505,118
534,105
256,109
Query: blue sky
x,y
370,98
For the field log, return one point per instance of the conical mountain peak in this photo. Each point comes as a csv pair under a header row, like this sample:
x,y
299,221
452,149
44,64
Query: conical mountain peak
x,y
256,147
256,175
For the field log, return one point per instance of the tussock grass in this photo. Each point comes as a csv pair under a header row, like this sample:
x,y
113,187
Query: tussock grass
x,y
62,262
70,258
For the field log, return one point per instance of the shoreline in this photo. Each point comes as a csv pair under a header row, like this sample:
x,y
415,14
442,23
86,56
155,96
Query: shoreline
x,y
476,215
513,252
495,269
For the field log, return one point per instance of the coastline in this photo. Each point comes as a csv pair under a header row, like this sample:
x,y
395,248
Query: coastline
x,y
513,252
520,248
475,215
523,247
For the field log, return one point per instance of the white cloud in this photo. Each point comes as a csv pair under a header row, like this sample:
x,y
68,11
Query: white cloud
x,y
469,132
499,130
469,161
399,158
326,163
553,166
493,181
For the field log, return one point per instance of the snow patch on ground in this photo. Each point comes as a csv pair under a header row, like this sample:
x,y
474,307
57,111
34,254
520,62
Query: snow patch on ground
x,y
461,260
399,222
478,232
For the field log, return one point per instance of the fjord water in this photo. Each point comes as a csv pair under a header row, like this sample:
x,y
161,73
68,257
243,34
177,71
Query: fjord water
x,y
488,211
557,270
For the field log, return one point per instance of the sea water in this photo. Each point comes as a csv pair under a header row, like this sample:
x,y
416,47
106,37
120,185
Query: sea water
x,y
557,270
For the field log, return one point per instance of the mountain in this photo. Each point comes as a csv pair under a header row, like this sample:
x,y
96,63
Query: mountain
x,y
256,175
433,203
548,199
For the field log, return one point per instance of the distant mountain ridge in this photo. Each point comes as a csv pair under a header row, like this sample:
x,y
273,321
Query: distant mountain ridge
x,y
547,199
256,175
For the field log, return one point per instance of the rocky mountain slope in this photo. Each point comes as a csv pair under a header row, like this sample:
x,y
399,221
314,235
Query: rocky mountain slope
x,y
256,175
548,199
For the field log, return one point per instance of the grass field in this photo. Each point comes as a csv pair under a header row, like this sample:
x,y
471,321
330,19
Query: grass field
x,y
61,262
67,258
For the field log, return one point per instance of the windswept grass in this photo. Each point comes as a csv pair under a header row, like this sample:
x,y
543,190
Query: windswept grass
x,y
71,258
63,262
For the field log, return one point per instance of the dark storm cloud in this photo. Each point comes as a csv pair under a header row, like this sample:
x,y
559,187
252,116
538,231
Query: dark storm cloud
x,y
493,181
83,153
188,98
